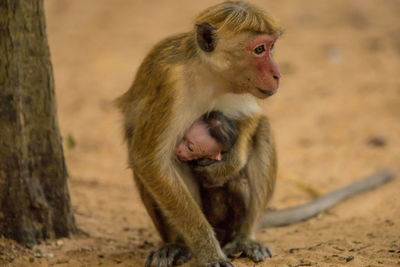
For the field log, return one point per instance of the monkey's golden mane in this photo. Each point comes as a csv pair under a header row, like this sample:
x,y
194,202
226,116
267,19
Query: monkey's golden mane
x,y
239,16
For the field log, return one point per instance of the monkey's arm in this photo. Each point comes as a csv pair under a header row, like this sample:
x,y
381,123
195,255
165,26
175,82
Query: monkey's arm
x,y
306,211
260,172
173,197
149,108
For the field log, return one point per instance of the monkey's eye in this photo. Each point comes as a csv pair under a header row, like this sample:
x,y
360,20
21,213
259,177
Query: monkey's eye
x,y
258,50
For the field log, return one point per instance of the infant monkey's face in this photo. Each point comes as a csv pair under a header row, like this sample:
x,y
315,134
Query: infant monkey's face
x,y
198,143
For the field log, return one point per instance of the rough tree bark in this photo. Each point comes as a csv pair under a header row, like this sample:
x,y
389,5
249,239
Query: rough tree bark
x,y
34,197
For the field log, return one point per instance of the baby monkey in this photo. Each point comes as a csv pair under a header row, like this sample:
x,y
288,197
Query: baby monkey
x,y
203,144
207,139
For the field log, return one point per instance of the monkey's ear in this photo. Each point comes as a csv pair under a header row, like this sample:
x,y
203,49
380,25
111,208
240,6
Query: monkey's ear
x,y
205,36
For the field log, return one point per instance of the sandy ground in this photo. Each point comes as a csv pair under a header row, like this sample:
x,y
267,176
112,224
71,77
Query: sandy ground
x,y
340,89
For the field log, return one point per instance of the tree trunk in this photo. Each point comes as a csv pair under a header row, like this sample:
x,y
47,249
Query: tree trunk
x,y
34,197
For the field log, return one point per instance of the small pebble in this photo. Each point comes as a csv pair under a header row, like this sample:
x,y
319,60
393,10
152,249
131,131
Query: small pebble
x,y
337,248
377,141
334,54
371,235
62,261
350,258
389,222
44,255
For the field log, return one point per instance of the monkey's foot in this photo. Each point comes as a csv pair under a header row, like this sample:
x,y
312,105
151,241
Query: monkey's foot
x,y
168,255
251,249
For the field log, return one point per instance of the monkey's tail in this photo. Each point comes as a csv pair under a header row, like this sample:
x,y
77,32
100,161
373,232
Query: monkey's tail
x,y
308,210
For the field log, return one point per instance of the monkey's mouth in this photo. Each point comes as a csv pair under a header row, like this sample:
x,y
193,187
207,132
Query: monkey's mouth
x,y
266,92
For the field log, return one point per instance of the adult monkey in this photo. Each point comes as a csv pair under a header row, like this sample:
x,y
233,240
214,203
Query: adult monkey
x,y
224,64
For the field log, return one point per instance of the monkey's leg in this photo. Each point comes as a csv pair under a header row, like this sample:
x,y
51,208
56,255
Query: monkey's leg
x,y
261,174
173,252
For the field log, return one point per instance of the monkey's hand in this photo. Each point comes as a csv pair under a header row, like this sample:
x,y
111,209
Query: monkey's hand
x,y
236,158
251,249
168,255
218,170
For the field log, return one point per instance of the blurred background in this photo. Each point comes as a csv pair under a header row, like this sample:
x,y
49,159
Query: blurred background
x,y
335,118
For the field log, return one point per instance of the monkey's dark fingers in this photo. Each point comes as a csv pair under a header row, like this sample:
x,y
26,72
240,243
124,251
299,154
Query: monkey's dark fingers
x,y
221,263
181,256
168,255
233,250
255,251
149,259
252,249
268,252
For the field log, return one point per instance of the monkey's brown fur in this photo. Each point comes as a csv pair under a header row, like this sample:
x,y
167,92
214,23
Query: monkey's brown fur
x,y
176,83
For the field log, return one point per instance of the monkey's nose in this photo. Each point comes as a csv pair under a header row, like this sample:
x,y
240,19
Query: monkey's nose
x,y
276,77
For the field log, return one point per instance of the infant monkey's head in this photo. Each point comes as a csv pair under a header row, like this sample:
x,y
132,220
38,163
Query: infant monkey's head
x,y
208,137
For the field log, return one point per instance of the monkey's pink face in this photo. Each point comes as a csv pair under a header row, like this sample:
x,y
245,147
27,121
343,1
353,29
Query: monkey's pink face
x,y
266,72
258,73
